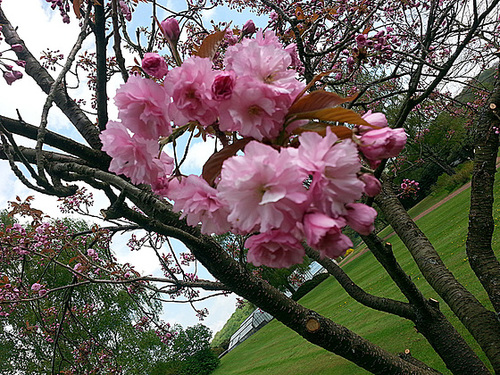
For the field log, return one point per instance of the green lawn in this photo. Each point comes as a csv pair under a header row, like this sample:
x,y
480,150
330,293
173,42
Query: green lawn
x,y
277,350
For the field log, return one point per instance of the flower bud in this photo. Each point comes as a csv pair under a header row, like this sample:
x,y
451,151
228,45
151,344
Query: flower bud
x,y
171,30
222,87
154,65
17,48
372,184
360,217
383,143
248,28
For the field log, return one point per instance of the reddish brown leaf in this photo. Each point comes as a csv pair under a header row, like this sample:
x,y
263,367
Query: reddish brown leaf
x,y
213,166
76,7
342,132
338,114
317,100
210,45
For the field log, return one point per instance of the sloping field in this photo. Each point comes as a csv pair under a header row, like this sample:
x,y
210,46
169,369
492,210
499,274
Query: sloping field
x,y
277,350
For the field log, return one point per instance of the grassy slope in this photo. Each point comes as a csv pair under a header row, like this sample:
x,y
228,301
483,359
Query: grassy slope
x,y
277,350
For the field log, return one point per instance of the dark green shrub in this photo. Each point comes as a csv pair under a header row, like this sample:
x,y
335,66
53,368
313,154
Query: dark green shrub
x,y
447,183
309,285
201,363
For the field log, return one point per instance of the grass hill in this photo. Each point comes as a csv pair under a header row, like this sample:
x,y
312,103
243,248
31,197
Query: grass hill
x,y
277,350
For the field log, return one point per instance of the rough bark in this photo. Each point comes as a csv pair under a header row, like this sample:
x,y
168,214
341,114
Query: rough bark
x,y
481,323
480,253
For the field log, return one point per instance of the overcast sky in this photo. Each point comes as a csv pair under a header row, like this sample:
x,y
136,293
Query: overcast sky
x,y
42,28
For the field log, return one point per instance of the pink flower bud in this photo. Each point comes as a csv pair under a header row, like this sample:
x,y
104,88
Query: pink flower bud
x,y
249,28
21,63
375,119
360,217
154,65
12,76
17,48
125,10
222,87
171,30
372,184
383,143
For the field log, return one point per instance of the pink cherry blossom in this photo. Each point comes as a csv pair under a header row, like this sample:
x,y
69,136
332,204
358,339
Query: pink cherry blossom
x,y
134,156
360,217
254,110
333,167
222,87
325,234
190,87
154,65
275,249
143,108
199,203
127,14
264,60
383,143
263,189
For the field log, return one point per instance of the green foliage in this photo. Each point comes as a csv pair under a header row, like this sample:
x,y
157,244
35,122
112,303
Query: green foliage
x,y
309,285
447,184
232,325
203,362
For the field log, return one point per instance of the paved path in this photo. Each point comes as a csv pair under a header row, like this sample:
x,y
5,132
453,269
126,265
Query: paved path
x,y
432,208
441,202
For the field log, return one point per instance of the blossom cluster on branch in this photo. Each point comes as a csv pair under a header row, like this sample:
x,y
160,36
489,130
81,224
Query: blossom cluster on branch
x,y
286,173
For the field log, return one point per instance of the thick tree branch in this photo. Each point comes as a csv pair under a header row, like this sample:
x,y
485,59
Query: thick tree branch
x,y
481,323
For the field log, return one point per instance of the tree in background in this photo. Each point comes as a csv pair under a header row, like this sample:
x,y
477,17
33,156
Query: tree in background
x,y
352,57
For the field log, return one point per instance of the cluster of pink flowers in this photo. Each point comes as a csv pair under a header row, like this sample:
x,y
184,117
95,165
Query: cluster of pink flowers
x,y
409,188
283,189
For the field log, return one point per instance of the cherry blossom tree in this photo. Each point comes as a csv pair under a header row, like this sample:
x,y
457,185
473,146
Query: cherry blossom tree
x,y
302,148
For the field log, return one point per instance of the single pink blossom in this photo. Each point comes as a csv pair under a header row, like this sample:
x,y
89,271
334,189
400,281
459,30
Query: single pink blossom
x,y
383,143
199,202
265,60
360,217
154,65
334,169
324,233
190,87
254,110
275,249
134,156
143,108
263,189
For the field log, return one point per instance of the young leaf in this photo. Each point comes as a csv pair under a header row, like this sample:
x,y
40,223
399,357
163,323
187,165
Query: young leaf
x,y
318,100
76,8
210,45
213,166
338,114
342,132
